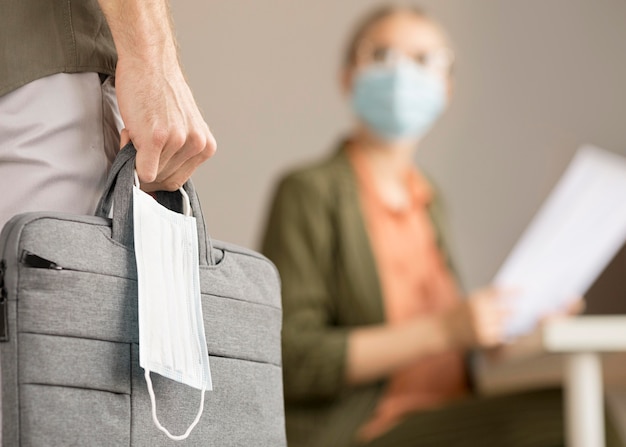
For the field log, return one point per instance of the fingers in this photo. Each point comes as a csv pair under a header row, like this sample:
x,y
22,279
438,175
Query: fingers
x,y
148,155
572,308
576,307
479,321
163,121
169,166
489,312
178,179
198,147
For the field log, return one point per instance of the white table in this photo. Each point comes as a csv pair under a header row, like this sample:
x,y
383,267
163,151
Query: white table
x,y
570,351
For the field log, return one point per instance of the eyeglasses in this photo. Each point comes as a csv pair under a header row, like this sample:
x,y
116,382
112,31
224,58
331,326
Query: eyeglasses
x,y
438,62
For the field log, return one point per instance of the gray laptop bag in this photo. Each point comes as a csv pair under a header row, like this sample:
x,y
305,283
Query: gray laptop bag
x,y
69,352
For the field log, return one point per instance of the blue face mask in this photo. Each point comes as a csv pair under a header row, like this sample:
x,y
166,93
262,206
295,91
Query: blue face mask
x,y
398,102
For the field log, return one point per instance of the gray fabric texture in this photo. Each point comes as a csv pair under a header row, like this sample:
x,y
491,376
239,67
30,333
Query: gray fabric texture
x,y
70,370
68,416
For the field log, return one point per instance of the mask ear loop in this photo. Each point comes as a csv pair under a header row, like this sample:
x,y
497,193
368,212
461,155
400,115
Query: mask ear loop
x,y
186,202
187,211
155,419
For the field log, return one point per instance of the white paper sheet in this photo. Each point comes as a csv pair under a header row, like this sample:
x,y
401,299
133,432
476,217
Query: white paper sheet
x,y
570,241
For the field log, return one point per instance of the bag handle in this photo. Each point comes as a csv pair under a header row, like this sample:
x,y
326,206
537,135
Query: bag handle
x,y
118,196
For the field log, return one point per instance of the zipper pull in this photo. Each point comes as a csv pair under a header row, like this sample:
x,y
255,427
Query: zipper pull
x,y
32,260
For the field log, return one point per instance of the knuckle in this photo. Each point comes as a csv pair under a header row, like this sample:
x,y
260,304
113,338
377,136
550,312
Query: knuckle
x,y
196,142
211,147
159,136
205,155
177,138
207,149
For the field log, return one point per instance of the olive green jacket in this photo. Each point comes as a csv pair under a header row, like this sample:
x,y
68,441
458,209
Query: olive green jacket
x,y
44,37
317,238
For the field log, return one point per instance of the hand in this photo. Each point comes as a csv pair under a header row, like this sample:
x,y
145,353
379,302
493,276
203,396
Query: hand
x,y
157,107
478,321
572,308
164,123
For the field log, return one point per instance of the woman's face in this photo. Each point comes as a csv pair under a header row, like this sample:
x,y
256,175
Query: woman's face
x,y
403,35
399,82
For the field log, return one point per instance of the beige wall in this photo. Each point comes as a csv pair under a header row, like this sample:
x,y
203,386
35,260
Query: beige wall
x,y
535,79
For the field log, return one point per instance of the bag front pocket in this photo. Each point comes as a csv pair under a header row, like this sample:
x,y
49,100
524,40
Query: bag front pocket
x,y
73,391
63,416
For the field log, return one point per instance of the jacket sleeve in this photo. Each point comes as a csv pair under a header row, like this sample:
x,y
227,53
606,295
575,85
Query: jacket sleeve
x,y
299,240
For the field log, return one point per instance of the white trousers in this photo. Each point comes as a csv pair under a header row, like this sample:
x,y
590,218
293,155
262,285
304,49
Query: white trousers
x,y
58,137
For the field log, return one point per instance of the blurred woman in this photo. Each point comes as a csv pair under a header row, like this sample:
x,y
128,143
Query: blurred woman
x,y
375,330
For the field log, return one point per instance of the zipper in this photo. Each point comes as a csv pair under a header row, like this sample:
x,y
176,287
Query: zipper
x,y
32,260
4,305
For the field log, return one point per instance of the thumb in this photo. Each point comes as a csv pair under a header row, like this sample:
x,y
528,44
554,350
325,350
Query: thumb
x,y
145,164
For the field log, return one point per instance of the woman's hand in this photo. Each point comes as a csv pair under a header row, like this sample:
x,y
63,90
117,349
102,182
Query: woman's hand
x,y
571,309
374,352
478,321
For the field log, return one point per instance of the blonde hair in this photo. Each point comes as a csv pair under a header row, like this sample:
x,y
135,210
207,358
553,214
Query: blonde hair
x,y
371,19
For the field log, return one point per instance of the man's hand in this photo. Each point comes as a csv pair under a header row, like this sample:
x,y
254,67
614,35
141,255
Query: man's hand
x,y
158,109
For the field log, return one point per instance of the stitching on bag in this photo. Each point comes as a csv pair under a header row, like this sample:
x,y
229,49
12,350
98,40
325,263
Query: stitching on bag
x,y
114,242
67,270
74,387
228,248
77,219
82,337
132,371
79,337
106,275
279,308
239,359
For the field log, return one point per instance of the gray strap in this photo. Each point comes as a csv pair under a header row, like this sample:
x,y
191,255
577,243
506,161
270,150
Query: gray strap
x,y
118,191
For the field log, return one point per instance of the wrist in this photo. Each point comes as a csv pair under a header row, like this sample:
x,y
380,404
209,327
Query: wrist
x,y
448,331
153,49
432,335
164,67
448,336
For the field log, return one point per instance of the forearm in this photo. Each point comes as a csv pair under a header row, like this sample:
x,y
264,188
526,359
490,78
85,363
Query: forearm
x,y
141,29
376,352
160,114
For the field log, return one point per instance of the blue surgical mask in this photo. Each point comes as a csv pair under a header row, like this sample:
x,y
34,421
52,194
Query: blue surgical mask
x,y
401,101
